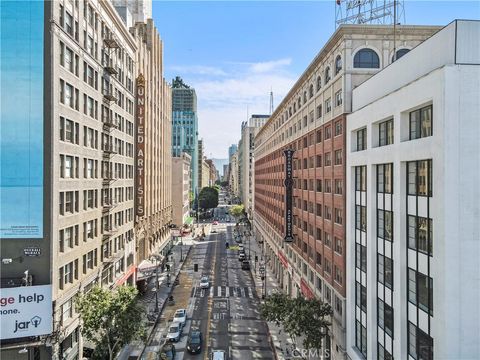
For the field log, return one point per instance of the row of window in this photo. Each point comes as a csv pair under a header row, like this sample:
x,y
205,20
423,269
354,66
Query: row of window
x,y
420,126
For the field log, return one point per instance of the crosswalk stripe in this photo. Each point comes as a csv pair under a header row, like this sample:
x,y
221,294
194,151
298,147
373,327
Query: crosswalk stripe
x,y
225,291
212,289
219,291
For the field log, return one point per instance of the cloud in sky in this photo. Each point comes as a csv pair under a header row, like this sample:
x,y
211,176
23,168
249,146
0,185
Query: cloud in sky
x,y
224,95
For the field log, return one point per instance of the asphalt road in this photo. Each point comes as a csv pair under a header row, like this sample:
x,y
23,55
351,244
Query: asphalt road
x,y
227,313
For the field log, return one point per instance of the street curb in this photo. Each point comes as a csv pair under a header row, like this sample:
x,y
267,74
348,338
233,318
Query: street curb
x,y
160,310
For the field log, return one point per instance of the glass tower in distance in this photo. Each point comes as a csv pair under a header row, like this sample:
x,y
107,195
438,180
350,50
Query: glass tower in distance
x,y
185,125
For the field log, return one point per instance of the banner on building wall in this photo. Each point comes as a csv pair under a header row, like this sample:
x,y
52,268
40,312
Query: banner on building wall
x,y
140,149
288,182
21,137
25,311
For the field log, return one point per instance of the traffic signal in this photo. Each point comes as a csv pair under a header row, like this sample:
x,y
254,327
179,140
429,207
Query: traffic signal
x,y
195,267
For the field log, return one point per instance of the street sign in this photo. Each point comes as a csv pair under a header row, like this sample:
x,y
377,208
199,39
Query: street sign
x,y
32,251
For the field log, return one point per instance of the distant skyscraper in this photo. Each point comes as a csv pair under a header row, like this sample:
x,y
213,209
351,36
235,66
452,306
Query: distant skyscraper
x,y
140,10
185,125
232,150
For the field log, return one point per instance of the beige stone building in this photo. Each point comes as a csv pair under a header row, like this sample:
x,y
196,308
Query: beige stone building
x,y
204,175
154,204
181,168
234,174
89,167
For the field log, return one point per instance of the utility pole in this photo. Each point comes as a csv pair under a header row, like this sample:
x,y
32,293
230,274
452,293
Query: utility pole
x,y
394,30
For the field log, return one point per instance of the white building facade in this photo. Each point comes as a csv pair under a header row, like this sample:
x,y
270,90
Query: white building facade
x,y
413,202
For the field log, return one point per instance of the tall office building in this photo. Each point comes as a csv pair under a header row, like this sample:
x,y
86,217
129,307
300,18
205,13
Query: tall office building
x,y
185,125
181,189
153,168
304,234
413,201
232,150
67,197
138,10
200,148
250,129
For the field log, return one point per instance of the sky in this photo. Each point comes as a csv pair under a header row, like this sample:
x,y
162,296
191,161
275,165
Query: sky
x,y
234,53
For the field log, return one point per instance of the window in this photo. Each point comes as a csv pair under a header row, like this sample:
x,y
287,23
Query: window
x,y
69,23
361,338
338,157
420,177
319,185
319,83
310,91
338,245
385,224
385,317
338,216
338,98
420,344
318,160
420,122
366,59
361,178
361,217
385,133
327,213
420,234
319,136
338,275
361,257
67,310
385,270
400,53
361,296
338,187
328,105
328,159
383,354
338,64
327,75
385,178
328,132
361,139
420,290
338,128
319,111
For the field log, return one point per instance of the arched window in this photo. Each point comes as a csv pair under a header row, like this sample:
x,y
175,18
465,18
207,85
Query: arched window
x,y
311,91
290,110
338,64
294,107
299,102
400,53
304,97
367,59
327,75
319,83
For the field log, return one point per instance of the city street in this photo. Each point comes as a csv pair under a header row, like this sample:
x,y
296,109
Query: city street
x,y
227,313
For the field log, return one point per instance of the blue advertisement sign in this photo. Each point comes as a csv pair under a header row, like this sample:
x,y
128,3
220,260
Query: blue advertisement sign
x,y
21,128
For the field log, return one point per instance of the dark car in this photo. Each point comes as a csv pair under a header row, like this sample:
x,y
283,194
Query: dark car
x,y
168,352
194,342
245,265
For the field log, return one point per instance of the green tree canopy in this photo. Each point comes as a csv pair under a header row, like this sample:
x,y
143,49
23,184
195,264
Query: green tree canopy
x,y
298,317
110,319
208,198
237,211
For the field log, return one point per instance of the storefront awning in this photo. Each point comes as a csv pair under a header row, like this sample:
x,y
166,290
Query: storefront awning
x,y
146,269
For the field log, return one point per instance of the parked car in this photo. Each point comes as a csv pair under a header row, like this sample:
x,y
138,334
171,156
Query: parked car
x,y
150,355
215,222
241,256
194,342
245,265
218,355
241,248
174,332
180,316
204,282
168,352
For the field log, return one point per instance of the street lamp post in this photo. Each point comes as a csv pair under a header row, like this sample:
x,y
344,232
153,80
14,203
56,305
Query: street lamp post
x,y
326,336
156,283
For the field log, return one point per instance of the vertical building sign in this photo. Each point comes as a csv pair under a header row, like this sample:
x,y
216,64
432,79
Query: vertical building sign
x,y
140,149
21,135
288,195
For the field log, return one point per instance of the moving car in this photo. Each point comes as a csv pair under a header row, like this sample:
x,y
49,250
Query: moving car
x,y
180,316
194,342
215,222
168,352
174,332
218,355
241,256
245,265
204,282
240,248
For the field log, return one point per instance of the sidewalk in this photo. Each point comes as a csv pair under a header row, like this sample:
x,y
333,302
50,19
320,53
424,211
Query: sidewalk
x,y
147,300
282,343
